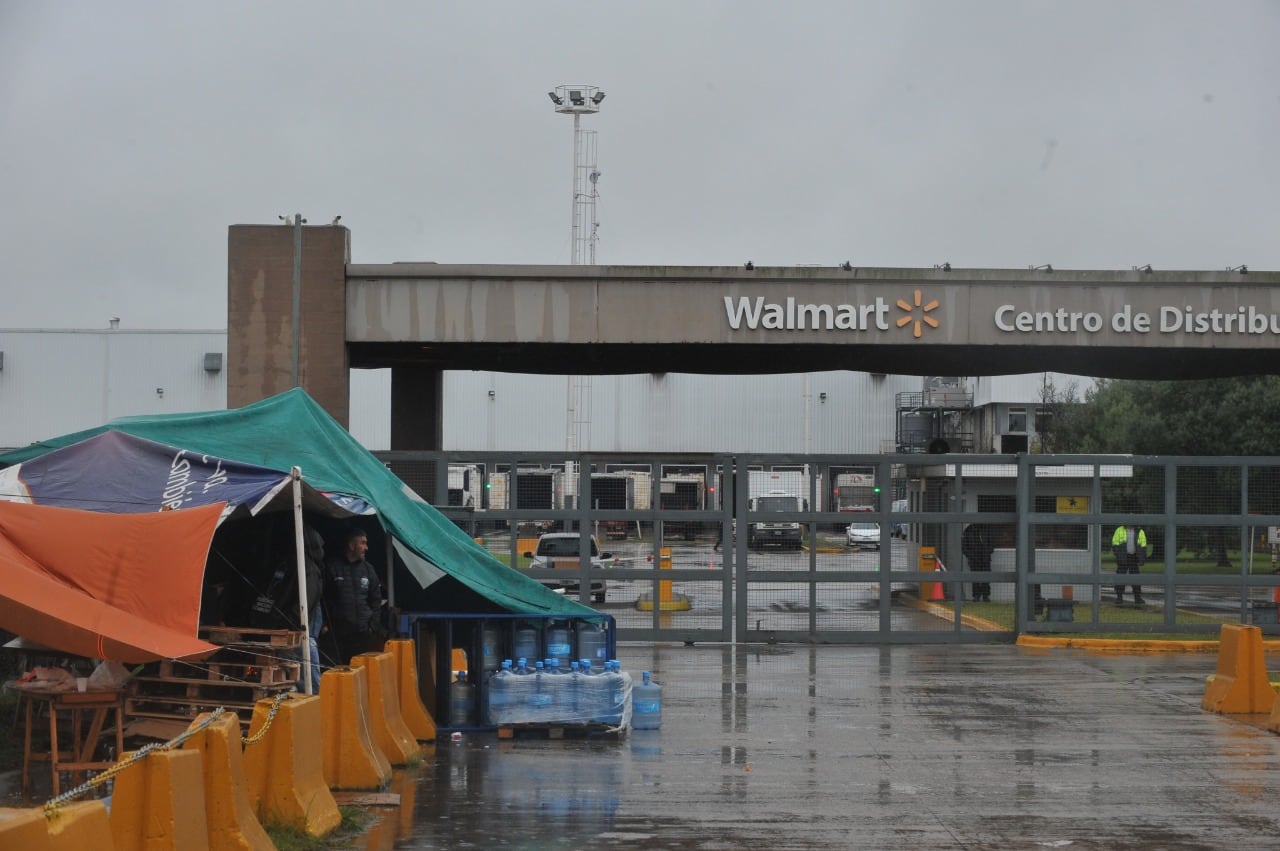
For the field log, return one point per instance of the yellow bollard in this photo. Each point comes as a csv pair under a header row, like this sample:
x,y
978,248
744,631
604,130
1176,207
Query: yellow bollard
x,y
284,770
390,733
351,758
664,585
233,825
158,803
1240,684
405,654
77,825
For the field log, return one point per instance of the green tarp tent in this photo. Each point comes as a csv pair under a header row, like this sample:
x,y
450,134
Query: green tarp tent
x,y
291,430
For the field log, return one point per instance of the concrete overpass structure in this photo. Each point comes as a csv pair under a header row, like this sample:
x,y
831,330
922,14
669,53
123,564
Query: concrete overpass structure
x,y
420,319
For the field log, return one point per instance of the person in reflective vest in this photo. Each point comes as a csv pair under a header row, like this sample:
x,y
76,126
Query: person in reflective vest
x,y
1129,544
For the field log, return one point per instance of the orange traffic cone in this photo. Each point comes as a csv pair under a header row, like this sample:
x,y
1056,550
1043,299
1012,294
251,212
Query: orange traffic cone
x,y
937,586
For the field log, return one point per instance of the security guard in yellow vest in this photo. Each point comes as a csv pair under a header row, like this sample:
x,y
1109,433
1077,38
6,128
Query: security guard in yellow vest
x,y
1129,543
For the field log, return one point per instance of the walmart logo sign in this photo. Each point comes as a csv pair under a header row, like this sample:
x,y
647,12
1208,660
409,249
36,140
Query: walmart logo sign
x,y
790,315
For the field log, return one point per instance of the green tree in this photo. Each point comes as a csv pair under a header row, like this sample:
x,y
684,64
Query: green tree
x,y
1232,416
1218,417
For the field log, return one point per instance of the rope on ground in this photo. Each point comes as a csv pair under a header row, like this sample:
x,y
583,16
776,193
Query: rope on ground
x,y
53,805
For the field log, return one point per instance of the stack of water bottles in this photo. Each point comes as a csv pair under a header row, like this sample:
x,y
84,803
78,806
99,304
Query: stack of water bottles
x,y
578,693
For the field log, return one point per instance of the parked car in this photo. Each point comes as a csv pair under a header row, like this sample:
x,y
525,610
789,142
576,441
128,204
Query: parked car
x,y
559,550
863,535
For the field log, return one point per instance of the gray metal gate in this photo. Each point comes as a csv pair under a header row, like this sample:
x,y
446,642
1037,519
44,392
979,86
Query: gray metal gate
x,y
757,548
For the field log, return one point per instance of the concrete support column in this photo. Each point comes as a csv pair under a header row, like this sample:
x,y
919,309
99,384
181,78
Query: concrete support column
x,y
260,315
417,407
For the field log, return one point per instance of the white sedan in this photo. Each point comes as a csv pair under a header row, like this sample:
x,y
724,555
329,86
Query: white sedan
x,y
863,535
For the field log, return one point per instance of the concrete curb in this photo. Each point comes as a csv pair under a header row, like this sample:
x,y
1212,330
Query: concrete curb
x,y
1098,645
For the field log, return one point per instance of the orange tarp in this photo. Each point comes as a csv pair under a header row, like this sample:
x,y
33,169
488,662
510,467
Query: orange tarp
x,y
124,587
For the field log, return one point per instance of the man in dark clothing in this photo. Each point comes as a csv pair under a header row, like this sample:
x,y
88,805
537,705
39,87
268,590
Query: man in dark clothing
x,y
353,598
977,546
276,606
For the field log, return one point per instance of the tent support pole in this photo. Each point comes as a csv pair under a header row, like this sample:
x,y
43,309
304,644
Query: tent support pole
x,y
391,576
296,475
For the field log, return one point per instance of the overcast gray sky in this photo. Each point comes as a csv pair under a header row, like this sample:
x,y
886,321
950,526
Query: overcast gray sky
x,y
991,134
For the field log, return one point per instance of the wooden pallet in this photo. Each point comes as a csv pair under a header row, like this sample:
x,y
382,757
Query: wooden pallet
x,y
183,698
256,668
555,730
167,723
250,665
176,687
242,635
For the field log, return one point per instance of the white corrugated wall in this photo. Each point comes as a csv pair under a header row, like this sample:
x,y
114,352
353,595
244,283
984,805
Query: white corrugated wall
x,y
58,381
672,412
55,381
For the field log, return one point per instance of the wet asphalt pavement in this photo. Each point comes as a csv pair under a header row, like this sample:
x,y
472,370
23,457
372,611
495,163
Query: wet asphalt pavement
x,y
903,747
934,747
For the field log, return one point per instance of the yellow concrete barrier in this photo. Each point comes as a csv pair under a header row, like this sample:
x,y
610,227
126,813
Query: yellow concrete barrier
x,y
75,826
390,733
352,760
419,721
23,829
158,804
1240,684
284,770
233,824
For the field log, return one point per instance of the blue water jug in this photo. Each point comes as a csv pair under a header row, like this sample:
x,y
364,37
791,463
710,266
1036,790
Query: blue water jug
x,y
462,701
519,694
574,703
490,647
526,641
646,704
500,693
591,643
559,643
618,686
594,694
539,704
557,684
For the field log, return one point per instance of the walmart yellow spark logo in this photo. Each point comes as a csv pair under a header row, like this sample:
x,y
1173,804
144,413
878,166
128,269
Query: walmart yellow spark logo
x,y
920,319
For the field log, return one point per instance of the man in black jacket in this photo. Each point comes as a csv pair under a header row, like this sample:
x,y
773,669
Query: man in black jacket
x,y
977,545
353,598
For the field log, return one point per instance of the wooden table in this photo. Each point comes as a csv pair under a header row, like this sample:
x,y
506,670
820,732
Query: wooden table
x,y
83,706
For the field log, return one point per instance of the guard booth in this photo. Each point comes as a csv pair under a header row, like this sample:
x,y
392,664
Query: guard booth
x,y
988,487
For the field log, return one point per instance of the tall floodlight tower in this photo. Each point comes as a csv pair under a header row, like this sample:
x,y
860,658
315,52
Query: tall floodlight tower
x,y
579,101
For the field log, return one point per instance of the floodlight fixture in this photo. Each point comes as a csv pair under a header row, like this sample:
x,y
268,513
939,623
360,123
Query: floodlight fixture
x,y
597,97
555,98
575,97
